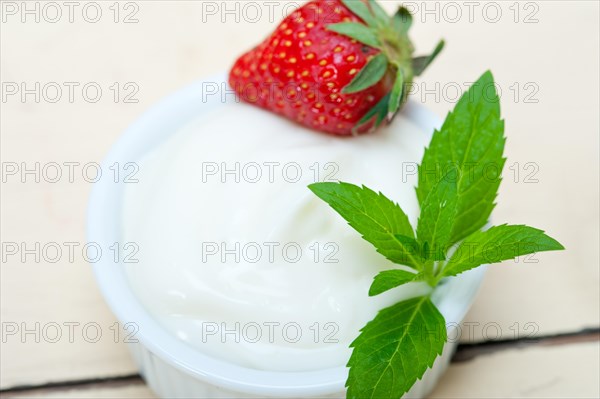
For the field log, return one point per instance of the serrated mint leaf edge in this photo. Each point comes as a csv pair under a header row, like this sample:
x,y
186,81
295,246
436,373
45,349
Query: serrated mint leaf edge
x,y
442,142
435,348
389,279
411,261
460,263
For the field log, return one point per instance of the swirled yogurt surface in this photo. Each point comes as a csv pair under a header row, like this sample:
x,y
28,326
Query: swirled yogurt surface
x,y
239,259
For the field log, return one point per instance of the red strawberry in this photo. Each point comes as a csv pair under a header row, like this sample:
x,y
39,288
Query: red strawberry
x,y
339,66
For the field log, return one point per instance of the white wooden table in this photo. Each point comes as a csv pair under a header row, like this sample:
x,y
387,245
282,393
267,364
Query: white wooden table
x,y
547,70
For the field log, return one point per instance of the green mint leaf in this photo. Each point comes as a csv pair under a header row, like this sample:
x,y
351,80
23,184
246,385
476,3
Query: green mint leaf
x,y
402,21
357,31
389,279
369,75
410,243
395,349
374,216
437,216
471,141
382,16
497,244
456,193
361,9
421,249
396,94
419,64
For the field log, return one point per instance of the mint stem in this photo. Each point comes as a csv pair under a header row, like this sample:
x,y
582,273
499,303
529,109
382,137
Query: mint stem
x,y
428,270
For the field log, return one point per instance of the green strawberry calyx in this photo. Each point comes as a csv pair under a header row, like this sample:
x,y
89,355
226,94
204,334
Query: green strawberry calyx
x,y
390,36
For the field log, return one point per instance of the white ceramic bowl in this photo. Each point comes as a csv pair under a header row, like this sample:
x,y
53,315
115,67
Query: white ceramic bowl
x,y
171,367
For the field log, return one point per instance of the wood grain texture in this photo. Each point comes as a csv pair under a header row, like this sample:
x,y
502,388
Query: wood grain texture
x,y
558,134
537,372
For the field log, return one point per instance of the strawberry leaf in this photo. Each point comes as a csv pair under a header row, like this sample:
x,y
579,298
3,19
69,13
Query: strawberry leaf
x,y
389,279
382,16
395,349
360,8
419,64
357,31
396,94
369,75
402,21
379,111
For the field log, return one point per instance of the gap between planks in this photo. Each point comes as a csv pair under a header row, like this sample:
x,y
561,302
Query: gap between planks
x,y
464,353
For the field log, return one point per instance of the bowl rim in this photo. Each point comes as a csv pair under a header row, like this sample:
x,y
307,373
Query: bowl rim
x,y
103,227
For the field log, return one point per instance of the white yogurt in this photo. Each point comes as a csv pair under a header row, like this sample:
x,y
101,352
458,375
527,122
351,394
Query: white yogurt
x,y
297,294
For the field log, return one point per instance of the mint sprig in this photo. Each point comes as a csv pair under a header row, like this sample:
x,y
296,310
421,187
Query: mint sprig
x,y
459,178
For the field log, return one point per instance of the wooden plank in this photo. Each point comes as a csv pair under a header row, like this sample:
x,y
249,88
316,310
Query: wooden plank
x,y
131,390
565,371
531,372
